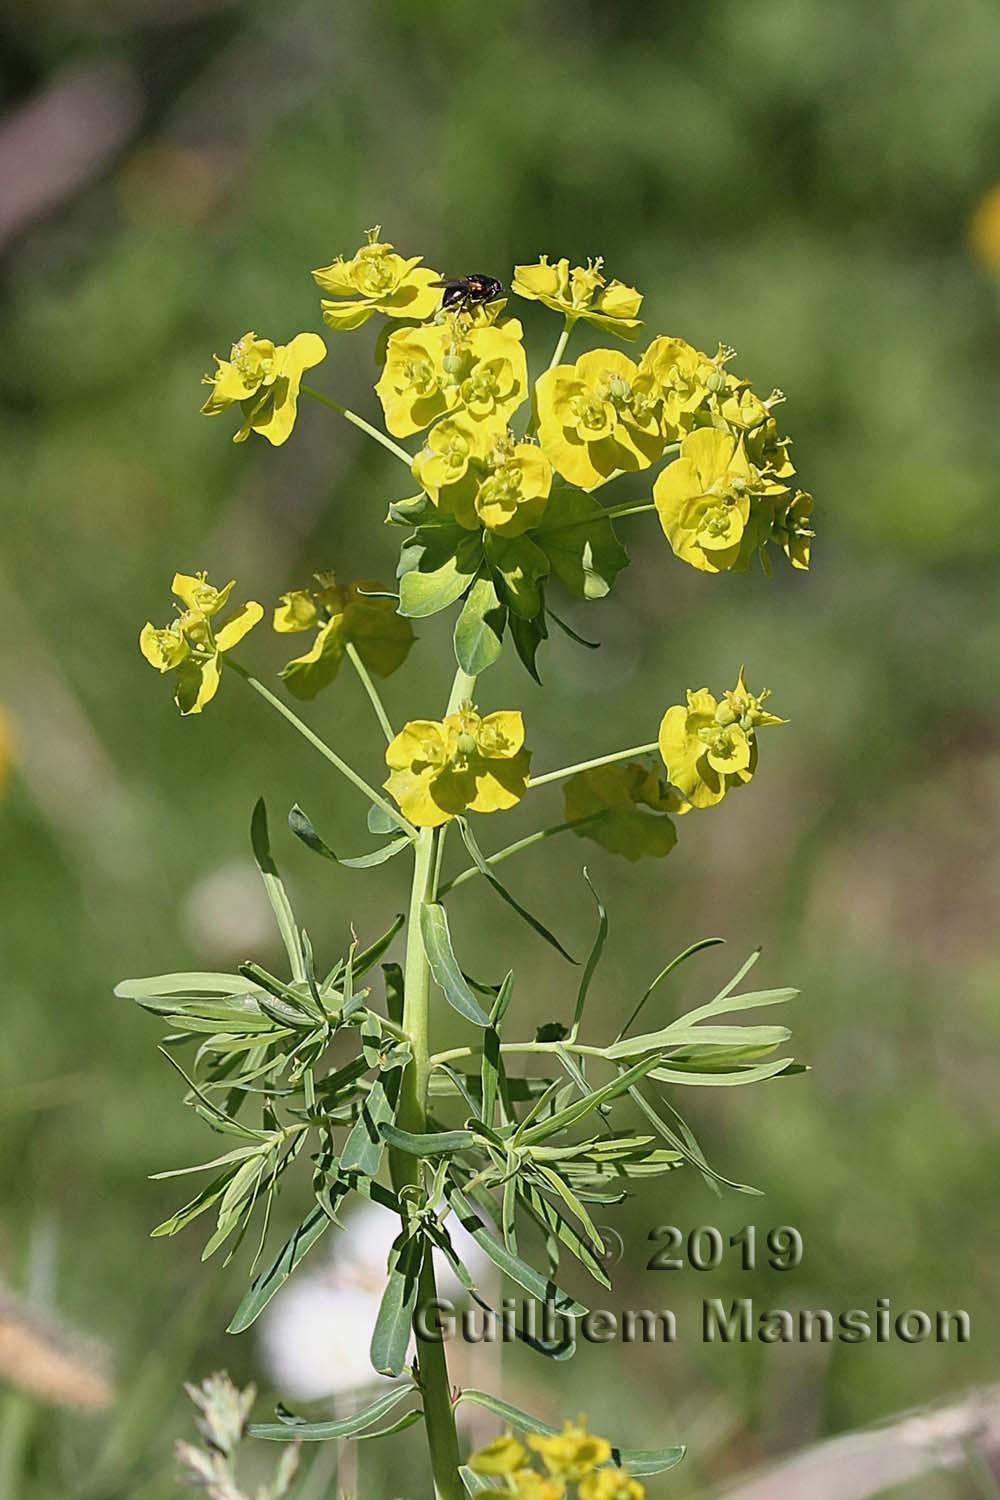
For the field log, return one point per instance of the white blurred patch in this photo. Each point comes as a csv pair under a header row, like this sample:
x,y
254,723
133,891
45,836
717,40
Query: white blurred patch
x,y
315,1334
226,914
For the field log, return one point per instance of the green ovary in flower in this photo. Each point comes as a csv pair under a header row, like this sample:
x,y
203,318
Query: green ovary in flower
x,y
709,746
440,769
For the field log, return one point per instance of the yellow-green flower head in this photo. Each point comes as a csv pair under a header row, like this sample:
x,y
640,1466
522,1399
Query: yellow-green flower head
x,y
710,746
597,416
792,531
505,1455
715,506
440,769
480,474
264,378
581,293
530,1485
573,1454
192,645
686,379
451,366
611,1484
345,616
628,807
376,279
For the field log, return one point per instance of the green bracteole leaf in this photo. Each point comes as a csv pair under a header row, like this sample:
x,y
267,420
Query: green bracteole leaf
x,y
580,543
280,904
379,821
444,966
490,875
273,1276
303,829
593,957
479,628
527,636
394,1323
436,566
521,568
643,1462
668,969
324,1432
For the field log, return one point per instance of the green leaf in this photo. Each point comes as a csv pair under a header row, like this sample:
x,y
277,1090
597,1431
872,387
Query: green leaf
x,y
573,1113
683,1141
479,628
725,1004
273,1277
553,1222
487,871
518,1270
594,956
409,1419
394,997
522,567
304,830
580,543
432,1143
206,1199
322,1432
481,1484
710,1078
436,566
280,904
394,1323
379,821
369,957
188,986
444,966
364,1145
527,636
680,1035
668,969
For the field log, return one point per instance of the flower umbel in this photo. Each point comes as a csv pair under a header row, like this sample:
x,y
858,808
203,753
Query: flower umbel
x,y
376,279
381,637
581,293
710,746
192,645
451,366
573,1454
264,378
441,768
716,508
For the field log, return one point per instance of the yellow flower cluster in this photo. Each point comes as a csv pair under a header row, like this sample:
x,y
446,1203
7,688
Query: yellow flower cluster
x,y
480,474
192,646
709,745
572,1457
264,380
440,769
581,293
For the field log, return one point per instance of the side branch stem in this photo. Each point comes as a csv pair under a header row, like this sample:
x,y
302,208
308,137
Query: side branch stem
x,y
588,765
372,691
360,423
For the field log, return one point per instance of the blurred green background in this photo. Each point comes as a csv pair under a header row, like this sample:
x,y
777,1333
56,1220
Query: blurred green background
x,y
809,182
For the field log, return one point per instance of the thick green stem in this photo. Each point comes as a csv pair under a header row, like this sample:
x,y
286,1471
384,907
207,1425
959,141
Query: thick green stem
x,y
360,423
588,765
435,1386
324,749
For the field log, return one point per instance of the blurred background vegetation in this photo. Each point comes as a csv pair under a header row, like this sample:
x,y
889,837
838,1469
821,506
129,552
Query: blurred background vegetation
x,y
809,182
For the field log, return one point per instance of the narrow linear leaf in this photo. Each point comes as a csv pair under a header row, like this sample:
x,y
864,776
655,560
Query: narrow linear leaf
x,y
303,829
280,904
593,957
518,1270
681,1035
323,1432
444,966
273,1277
668,969
573,1113
644,1462
433,1143
488,872
369,957
394,1323
364,1145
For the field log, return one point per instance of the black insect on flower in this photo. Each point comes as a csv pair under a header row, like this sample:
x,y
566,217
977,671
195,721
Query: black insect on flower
x,y
469,291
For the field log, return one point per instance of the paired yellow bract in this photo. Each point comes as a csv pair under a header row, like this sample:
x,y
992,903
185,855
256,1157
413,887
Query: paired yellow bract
x,y
573,1456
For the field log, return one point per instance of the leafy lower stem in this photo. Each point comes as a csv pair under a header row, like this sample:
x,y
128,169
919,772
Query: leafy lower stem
x,y
360,423
589,765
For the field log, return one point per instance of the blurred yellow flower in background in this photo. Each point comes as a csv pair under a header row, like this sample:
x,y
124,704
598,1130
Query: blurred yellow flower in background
x,y
573,1453
984,230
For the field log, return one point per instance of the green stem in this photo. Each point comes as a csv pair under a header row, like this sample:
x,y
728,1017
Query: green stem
x,y
360,423
561,343
371,690
515,848
588,765
435,1386
324,749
